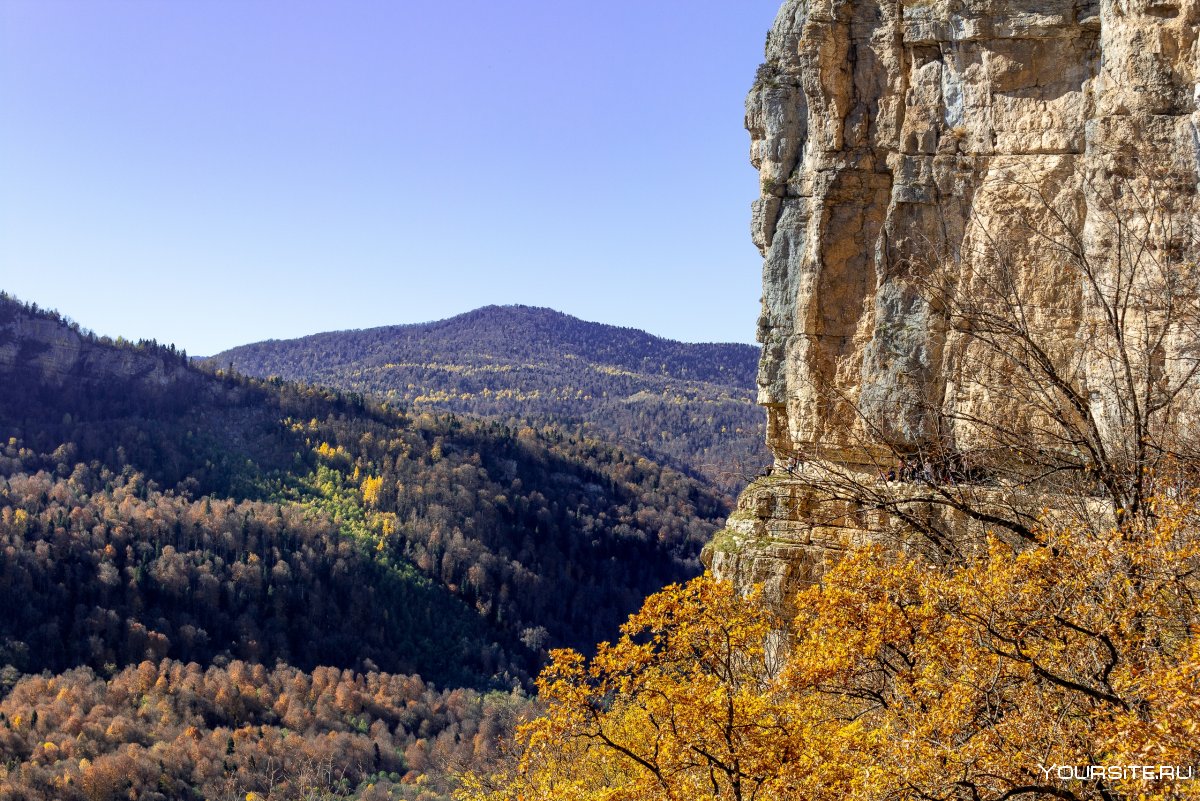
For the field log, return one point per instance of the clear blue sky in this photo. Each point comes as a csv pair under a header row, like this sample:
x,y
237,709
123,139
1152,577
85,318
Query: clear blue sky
x,y
215,172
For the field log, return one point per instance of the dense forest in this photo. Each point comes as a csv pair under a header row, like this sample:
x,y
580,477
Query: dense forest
x,y
158,516
238,730
688,405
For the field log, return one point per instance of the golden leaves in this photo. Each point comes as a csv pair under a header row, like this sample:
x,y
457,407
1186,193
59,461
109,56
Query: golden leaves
x,y
371,488
902,679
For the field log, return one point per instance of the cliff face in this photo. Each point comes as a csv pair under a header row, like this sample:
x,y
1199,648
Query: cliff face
x,y
41,348
901,142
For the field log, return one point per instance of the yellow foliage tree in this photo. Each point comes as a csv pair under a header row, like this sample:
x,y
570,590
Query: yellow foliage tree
x,y
686,704
371,487
1067,671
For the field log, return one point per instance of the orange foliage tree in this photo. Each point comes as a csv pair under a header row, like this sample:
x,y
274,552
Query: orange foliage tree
x,y
1069,670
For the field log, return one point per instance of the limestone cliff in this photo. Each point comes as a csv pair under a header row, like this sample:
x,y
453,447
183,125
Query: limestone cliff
x,y
903,139
38,345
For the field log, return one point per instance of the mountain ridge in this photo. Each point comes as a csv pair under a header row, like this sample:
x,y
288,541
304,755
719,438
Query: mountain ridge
x,y
512,314
688,405
497,308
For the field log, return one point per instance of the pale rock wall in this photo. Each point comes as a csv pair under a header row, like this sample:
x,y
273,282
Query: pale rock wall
x,y
884,131
55,355
889,130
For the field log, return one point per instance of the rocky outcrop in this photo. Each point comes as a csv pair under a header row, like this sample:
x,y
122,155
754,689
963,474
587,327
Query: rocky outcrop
x,y
35,345
903,141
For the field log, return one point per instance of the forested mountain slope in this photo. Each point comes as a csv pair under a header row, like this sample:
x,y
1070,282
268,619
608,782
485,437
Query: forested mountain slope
x,y
135,481
692,405
151,510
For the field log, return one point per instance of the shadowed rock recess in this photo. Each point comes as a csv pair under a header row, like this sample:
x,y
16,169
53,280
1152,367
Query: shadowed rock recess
x,y
902,146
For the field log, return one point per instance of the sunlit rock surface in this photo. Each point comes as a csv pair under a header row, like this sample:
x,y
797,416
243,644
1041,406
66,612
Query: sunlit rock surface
x,y
891,136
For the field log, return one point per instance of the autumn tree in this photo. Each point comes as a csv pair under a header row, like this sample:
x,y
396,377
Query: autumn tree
x,y
983,680
686,704
1005,677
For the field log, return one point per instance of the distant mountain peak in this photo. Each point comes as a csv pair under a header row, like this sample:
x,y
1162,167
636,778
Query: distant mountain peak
x,y
695,402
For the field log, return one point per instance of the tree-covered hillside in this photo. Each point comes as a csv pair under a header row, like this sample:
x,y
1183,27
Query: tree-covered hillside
x,y
154,513
691,405
526,528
